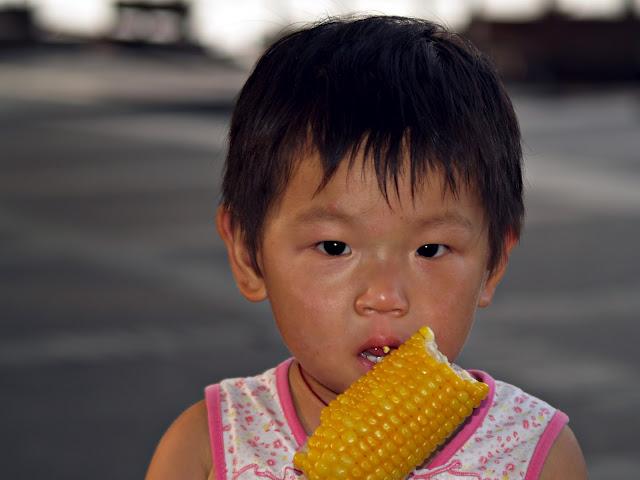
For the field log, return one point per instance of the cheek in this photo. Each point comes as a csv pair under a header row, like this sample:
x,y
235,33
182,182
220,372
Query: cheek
x,y
450,308
306,310
312,286
308,298
453,290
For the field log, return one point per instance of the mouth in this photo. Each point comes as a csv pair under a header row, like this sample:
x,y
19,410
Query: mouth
x,y
376,354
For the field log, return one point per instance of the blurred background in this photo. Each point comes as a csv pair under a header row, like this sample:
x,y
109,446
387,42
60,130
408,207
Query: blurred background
x,y
116,303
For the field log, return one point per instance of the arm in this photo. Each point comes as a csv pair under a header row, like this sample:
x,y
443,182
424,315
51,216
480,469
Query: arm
x,y
565,460
183,452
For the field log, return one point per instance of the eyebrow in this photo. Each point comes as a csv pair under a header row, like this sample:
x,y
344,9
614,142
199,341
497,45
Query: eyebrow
x,y
318,214
447,218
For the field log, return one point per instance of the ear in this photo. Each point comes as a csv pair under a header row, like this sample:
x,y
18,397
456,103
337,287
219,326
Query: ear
x,y
249,281
492,279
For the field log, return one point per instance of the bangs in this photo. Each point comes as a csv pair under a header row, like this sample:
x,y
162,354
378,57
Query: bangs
x,y
404,97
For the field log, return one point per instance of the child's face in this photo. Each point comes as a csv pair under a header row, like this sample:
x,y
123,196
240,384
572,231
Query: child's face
x,y
388,271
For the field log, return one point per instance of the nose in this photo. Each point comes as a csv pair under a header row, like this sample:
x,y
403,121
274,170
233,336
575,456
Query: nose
x,y
382,292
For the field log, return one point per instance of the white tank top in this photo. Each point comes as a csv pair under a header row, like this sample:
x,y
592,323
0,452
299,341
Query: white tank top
x,y
254,432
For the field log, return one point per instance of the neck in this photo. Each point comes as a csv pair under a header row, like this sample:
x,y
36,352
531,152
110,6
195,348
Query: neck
x,y
309,398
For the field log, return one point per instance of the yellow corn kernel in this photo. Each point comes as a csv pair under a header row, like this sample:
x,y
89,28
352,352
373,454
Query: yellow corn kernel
x,y
393,418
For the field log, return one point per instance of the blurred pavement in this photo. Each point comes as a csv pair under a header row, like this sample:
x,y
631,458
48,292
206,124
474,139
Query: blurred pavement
x,y
117,305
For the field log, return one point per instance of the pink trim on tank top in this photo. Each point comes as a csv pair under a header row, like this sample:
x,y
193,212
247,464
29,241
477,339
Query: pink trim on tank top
x,y
545,442
469,428
286,402
212,396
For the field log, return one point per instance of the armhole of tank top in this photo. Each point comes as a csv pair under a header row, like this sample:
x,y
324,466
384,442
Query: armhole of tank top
x,y
474,422
216,439
545,442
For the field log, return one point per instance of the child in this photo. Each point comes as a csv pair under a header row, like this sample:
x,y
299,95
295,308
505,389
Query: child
x,y
372,186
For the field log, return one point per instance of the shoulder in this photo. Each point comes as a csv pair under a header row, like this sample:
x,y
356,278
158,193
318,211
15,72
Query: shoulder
x,y
184,451
565,460
511,402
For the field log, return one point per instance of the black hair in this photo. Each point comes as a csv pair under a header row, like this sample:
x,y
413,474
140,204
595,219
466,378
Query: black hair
x,y
396,87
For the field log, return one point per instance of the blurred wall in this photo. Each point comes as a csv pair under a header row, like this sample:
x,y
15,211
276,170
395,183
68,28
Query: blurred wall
x,y
239,29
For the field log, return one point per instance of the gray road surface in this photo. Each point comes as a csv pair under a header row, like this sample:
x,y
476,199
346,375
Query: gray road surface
x,y
117,306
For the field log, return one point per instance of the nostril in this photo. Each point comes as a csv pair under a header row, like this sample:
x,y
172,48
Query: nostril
x,y
395,308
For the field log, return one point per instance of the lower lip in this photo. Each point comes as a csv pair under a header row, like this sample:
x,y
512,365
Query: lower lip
x,y
367,364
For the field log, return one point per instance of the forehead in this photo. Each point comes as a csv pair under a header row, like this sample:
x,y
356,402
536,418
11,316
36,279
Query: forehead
x,y
355,191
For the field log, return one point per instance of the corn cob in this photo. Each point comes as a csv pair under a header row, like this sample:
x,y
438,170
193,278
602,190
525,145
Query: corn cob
x,y
393,418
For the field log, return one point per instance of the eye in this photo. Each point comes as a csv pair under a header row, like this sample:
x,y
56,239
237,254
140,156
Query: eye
x,y
334,248
432,250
